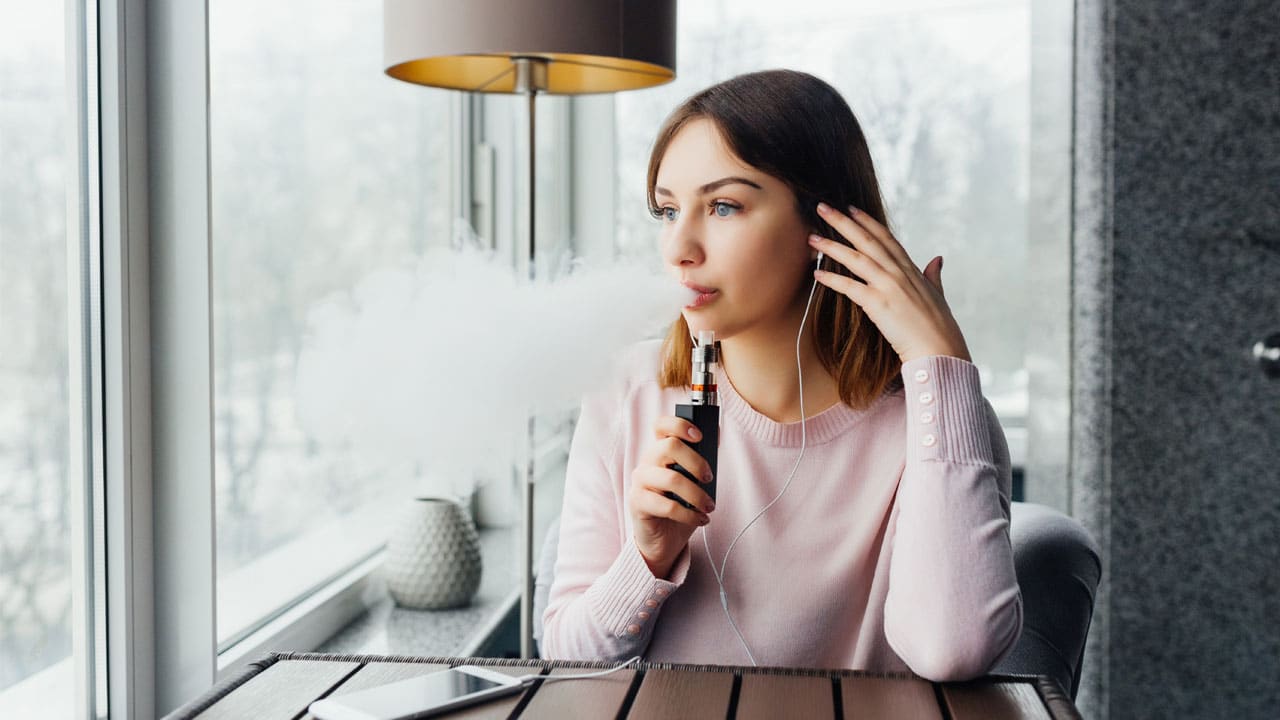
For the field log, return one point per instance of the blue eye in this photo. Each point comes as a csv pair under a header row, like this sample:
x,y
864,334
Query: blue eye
x,y
724,209
666,213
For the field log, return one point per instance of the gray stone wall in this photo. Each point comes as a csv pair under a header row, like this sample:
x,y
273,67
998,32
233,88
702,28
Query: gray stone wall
x,y
1175,432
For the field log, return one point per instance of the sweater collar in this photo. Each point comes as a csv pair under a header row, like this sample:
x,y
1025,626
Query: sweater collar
x,y
819,428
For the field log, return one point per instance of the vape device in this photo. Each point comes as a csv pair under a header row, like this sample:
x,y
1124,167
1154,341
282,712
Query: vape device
x,y
703,411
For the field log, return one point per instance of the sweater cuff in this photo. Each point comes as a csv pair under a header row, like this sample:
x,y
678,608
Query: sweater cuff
x,y
946,412
627,598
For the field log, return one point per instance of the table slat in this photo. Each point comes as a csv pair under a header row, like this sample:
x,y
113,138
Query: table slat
x,y
380,673
774,696
994,701
866,697
677,695
598,697
281,691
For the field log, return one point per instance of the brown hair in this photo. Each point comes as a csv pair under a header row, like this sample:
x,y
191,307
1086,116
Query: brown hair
x,y
798,129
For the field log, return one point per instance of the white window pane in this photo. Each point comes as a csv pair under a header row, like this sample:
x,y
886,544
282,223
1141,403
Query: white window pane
x,y
323,169
941,89
36,675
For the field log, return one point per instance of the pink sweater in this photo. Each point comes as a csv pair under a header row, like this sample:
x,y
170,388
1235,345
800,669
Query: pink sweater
x,y
890,551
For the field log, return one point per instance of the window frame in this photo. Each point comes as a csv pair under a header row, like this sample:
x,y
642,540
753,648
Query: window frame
x,y
160,612
157,362
84,316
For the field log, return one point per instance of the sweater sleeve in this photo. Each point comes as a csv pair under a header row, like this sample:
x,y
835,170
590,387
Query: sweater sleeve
x,y
604,600
953,607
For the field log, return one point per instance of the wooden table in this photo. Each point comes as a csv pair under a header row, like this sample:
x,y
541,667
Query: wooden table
x,y
282,685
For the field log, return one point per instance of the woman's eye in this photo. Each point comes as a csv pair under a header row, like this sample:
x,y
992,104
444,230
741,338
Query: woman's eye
x,y
666,214
724,209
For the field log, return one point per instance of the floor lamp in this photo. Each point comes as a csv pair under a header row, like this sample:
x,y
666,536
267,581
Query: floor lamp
x,y
559,47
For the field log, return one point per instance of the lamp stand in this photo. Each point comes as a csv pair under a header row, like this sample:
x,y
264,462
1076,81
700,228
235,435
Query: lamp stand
x,y
531,78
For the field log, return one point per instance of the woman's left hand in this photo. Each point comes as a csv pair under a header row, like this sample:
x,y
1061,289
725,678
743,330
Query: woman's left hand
x,y
906,304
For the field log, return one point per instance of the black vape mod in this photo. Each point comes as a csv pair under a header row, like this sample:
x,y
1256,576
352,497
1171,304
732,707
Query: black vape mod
x,y
703,411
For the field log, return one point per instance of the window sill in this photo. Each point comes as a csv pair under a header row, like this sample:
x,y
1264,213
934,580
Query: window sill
x,y
47,693
389,630
310,622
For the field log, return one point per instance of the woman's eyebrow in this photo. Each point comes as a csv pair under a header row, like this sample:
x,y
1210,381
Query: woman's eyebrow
x,y
712,186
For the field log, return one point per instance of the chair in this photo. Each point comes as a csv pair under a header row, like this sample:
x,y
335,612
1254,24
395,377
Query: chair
x,y
1058,569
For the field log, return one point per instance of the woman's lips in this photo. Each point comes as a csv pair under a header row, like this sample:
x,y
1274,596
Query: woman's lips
x,y
702,298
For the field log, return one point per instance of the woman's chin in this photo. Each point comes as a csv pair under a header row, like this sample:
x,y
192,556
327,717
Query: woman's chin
x,y
704,319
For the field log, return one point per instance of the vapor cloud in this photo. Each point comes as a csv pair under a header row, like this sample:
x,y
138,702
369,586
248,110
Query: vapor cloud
x,y
435,367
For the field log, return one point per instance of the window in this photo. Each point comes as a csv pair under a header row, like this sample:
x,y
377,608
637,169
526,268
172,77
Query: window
x,y
51,577
35,569
941,89
323,170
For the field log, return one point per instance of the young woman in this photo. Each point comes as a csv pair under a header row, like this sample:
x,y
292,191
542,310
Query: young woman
x,y
889,550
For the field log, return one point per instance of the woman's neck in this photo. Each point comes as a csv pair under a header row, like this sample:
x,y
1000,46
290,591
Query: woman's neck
x,y
761,365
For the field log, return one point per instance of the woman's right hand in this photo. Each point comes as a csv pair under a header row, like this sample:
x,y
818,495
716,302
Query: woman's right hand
x,y
662,526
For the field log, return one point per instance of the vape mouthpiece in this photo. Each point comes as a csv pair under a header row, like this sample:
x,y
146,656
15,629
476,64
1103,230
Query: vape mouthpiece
x,y
706,361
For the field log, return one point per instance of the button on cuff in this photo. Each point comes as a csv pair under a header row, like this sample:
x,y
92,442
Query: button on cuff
x,y
624,590
947,417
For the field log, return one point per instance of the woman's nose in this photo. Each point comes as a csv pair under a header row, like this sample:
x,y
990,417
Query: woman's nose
x,y
681,245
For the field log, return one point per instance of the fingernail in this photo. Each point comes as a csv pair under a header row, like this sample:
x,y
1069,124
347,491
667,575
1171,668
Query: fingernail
x,y
815,239
709,507
708,478
853,211
695,434
704,520
824,208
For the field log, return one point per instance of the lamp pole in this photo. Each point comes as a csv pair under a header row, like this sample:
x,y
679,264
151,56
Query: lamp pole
x,y
531,78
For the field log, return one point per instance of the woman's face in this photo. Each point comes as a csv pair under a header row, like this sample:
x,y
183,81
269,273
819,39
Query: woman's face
x,y
731,229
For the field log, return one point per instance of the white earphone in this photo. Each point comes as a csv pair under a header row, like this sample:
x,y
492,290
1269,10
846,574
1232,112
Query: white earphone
x,y
724,562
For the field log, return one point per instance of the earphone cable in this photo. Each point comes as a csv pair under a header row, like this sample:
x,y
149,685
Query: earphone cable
x,y
719,573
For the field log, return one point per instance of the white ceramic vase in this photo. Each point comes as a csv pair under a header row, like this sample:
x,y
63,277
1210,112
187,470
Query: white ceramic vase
x,y
433,556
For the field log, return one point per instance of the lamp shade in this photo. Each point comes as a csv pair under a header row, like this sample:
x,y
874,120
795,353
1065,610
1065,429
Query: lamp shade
x,y
587,46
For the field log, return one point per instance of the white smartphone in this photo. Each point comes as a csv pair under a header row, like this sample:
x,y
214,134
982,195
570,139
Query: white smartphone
x,y
420,696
